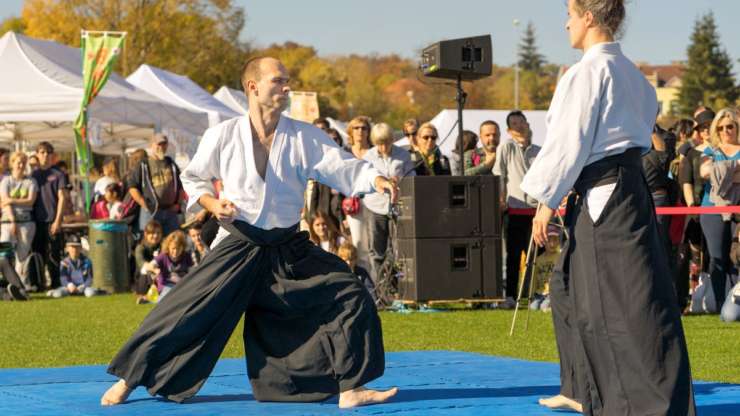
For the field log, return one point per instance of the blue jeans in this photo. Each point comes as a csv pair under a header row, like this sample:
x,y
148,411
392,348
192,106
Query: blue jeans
x,y
718,236
167,219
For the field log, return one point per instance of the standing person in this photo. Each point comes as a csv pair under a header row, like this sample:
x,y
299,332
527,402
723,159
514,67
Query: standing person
x,y
410,129
48,241
718,168
427,158
635,360
513,160
295,297
469,143
480,160
110,175
17,196
358,130
155,185
392,162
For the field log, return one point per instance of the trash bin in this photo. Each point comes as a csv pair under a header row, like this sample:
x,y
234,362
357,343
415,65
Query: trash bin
x,y
109,254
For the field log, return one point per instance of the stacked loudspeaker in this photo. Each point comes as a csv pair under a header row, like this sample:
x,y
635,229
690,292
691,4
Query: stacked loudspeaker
x,y
449,238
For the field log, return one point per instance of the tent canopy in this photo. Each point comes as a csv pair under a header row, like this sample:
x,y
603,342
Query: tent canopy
x,y
234,99
41,92
181,91
446,123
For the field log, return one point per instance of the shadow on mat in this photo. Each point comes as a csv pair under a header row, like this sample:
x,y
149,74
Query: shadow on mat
x,y
710,388
216,398
718,409
415,395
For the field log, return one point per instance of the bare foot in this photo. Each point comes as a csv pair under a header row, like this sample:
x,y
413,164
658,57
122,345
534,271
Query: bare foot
x,y
561,402
116,394
362,396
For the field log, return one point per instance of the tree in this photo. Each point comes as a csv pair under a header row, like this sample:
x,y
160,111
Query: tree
x,y
529,57
195,38
12,24
708,79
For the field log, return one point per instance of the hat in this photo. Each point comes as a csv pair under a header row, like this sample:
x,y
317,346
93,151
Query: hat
x,y
159,138
73,240
703,118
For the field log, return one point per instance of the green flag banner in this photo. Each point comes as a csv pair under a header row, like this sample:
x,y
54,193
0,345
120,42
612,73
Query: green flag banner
x,y
99,53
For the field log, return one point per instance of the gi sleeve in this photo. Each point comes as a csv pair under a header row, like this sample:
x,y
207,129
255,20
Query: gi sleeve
x,y
571,128
197,178
332,166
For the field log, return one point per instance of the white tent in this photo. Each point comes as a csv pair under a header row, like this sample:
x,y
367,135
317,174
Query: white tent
x,y
41,92
446,123
181,91
234,99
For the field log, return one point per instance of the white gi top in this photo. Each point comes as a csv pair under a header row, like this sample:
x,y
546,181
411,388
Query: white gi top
x,y
299,152
603,105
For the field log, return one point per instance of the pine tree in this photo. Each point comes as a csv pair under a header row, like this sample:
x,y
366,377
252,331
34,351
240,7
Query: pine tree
x,y
708,79
529,58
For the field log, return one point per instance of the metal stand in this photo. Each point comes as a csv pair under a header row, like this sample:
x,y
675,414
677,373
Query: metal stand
x,y
460,99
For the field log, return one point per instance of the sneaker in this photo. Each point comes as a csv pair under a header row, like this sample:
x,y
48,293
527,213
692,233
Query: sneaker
x,y
509,303
17,293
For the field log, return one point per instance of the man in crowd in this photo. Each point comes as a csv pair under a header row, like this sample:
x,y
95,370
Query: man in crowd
x,y
410,127
480,160
322,123
155,185
513,160
47,211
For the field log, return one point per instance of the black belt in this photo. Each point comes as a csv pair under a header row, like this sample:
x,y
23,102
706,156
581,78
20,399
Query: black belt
x,y
606,170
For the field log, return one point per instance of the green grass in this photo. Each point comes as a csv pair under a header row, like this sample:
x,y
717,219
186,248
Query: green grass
x,y
77,331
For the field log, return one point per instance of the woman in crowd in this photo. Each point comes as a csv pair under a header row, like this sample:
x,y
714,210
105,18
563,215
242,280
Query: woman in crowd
x,y
718,168
324,233
18,193
358,131
110,175
173,262
427,158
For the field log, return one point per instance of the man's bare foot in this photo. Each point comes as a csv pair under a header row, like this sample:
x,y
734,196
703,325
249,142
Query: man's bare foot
x,y
362,396
117,394
561,402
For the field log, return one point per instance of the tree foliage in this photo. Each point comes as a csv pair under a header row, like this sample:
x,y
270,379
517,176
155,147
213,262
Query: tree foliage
x,y
529,57
196,38
708,79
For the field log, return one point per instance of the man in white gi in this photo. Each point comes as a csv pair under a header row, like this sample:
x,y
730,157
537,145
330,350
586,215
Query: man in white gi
x,y
311,328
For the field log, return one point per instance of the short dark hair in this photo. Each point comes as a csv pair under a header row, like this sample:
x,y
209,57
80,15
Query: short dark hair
x,y
489,123
469,141
515,113
321,120
45,146
4,151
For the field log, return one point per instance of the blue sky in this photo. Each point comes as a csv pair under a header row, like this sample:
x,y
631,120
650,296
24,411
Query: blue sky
x,y
658,31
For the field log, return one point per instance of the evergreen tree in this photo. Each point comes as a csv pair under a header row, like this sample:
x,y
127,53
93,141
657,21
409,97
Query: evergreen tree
x,y
708,79
529,58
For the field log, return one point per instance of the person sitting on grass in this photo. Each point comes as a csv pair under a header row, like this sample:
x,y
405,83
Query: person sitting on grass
x,y
200,249
144,254
324,233
173,262
75,272
348,253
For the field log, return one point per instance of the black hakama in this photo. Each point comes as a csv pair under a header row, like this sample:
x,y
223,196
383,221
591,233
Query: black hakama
x,y
622,299
311,328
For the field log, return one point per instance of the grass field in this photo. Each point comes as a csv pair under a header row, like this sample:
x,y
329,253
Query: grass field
x,y
76,331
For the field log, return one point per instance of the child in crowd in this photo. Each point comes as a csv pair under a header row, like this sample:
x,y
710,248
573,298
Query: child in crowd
x,y
144,254
173,262
199,249
324,233
348,253
109,206
75,272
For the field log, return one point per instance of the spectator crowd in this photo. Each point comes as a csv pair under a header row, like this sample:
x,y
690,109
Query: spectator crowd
x,y
694,163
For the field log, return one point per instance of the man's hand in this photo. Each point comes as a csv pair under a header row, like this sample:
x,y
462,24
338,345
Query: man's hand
x,y
389,186
490,160
540,222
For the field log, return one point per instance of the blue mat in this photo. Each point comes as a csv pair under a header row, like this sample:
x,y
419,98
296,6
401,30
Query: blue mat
x,y
431,383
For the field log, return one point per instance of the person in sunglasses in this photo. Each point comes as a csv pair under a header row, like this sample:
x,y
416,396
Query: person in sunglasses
x,y
427,158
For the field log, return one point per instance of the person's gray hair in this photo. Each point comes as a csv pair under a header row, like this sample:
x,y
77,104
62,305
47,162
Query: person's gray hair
x,y
381,133
609,15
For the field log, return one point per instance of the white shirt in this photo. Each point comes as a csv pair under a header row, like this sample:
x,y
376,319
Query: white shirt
x,y
398,164
603,105
299,152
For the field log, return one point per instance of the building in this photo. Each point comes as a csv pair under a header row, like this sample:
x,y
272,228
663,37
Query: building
x,y
667,82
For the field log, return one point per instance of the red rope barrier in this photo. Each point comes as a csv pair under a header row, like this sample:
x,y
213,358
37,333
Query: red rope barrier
x,y
734,209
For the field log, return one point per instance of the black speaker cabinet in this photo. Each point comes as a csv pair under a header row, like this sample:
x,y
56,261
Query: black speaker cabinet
x,y
449,269
467,58
449,206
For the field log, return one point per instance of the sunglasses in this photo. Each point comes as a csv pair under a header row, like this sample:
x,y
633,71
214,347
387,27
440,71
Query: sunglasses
x,y
411,133
729,127
432,137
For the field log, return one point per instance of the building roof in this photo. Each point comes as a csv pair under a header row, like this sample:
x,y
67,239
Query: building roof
x,y
663,76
